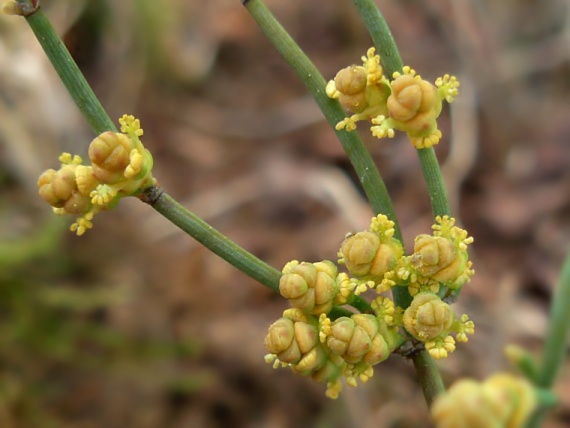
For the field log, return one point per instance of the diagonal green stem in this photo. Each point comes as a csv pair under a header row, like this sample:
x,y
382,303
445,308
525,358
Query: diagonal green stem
x,y
68,71
100,122
220,244
392,61
353,145
212,239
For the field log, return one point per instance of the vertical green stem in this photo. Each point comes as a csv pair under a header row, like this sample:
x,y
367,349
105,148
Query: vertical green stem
x,y
69,73
381,36
434,182
428,376
555,347
426,369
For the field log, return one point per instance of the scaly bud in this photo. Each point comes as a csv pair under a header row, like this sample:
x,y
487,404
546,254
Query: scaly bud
x,y
294,341
361,338
110,155
121,167
428,317
501,401
351,82
363,90
369,255
436,257
311,287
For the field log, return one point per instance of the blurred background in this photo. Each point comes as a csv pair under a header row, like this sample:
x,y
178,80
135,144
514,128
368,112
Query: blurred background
x,y
135,324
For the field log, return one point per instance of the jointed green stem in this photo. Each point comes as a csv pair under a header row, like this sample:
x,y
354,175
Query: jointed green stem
x,y
557,335
69,73
428,376
381,36
555,348
353,145
426,369
434,182
220,244
211,238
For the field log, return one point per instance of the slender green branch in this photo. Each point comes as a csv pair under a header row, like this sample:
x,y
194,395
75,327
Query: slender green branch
x,y
434,182
353,145
381,36
94,113
426,369
211,238
221,245
557,334
392,61
555,347
68,71
428,376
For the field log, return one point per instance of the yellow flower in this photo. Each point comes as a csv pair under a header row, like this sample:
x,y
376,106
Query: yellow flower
x,y
428,317
120,167
363,90
311,287
408,103
361,338
501,401
294,341
369,255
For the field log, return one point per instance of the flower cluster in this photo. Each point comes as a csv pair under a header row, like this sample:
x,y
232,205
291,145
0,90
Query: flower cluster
x,y
407,103
312,343
120,166
502,400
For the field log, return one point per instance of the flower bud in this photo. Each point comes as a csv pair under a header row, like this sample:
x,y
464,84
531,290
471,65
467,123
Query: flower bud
x,y
110,155
428,317
310,287
438,258
291,340
59,189
464,405
413,103
358,339
365,255
515,398
501,401
351,82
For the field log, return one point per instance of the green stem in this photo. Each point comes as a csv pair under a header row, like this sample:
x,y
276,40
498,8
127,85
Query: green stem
x,y
392,61
353,145
434,182
68,71
426,369
429,376
381,36
94,113
222,246
556,337
211,238
362,305
557,334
